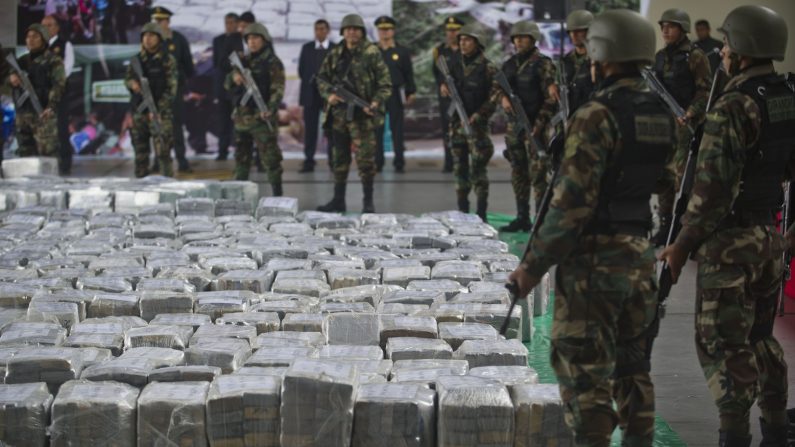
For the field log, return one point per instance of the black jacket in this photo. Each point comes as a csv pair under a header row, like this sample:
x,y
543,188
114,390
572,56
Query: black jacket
x,y
223,46
308,66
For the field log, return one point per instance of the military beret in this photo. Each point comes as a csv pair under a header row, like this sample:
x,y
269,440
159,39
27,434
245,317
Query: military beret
x,y
385,22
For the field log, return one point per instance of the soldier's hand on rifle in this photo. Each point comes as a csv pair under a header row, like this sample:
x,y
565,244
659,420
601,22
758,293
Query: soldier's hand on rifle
x,y
238,78
473,118
333,99
371,110
15,80
265,116
676,258
444,91
554,92
683,120
524,282
135,86
506,105
46,113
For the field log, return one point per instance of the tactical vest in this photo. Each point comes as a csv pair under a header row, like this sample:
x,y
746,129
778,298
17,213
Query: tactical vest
x,y
260,71
581,85
647,134
39,74
155,72
678,80
474,89
765,168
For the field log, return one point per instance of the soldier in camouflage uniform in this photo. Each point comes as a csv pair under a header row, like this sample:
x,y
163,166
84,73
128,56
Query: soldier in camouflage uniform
x,y
530,75
358,65
160,69
747,151
251,125
684,70
37,135
596,231
477,85
446,49
577,64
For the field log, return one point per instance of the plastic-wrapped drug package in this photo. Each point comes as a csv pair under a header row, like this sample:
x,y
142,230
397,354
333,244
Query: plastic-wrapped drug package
x,y
394,414
24,414
217,332
51,365
225,353
407,326
449,287
290,338
94,356
112,342
165,284
402,309
156,336
261,321
283,308
309,287
16,296
317,403
276,371
349,352
161,356
302,322
424,297
352,328
331,308
196,206
65,314
341,278
190,373
154,303
173,414
510,376
132,371
24,333
275,356
104,285
473,411
181,319
244,411
257,281
277,206
216,306
456,333
113,305
413,348
201,279
492,353
540,417
486,297
494,314
402,276
94,413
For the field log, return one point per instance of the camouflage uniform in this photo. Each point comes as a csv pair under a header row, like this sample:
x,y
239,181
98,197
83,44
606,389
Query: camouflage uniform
x,y
163,80
605,297
249,128
739,266
37,136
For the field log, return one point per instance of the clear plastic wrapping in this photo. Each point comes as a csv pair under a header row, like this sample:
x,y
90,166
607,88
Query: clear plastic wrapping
x,y
243,410
540,416
218,306
492,353
165,285
309,287
302,322
449,287
474,411
352,328
16,296
225,264
350,352
50,364
394,414
341,278
114,304
173,414
277,371
154,303
201,279
510,376
402,276
157,336
407,326
112,342
225,353
413,348
275,356
290,338
424,297
181,319
24,414
161,356
277,206
196,206
216,332
189,373
463,272
132,371
332,308
456,333
33,333
261,321
94,413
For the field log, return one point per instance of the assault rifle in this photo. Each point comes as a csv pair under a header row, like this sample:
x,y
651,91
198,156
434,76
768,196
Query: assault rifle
x,y
29,93
252,90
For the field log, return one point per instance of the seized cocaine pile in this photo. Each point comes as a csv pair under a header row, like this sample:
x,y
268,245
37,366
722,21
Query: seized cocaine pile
x,y
157,312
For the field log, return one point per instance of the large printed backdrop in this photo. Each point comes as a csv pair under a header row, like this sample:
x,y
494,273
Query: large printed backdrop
x,y
106,35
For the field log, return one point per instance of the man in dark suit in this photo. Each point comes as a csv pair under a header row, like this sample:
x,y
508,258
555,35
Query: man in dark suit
x,y
223,46
312,55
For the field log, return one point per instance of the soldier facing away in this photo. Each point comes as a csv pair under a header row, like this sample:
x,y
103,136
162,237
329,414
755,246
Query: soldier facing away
x,y
746,153
475,80
357,65
160,70
596,231
254,129
37,134
530,75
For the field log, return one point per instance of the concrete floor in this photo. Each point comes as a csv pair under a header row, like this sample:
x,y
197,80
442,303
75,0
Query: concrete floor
x,y
682,396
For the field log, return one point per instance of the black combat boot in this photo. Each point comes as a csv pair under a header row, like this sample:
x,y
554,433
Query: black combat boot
x,y
367,203
483,203
661,237
463,201
337,204
773,436
522,221
277,189
731,440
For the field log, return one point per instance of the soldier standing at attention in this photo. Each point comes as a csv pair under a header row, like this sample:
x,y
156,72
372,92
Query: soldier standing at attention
x,y
596,231
37,134
160,69
256,130
745,155
177,45
684,70
576,62
357,65
530,75
447,49
398,59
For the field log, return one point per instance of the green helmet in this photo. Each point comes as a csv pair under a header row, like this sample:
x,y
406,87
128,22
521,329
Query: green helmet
x,y
153,28
39,28
580,19
472,31
756,31
677,16
258,29
621,35
352,20
526,28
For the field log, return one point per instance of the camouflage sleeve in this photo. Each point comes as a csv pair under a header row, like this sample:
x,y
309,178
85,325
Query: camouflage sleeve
x,y
277,84
172,78
490,105
383,88
699,66
129,76
326,71
576,190
548,73
437,75
58,82
732,126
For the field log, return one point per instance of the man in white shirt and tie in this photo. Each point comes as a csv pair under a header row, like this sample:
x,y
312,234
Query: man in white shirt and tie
x,y
312,55
63,49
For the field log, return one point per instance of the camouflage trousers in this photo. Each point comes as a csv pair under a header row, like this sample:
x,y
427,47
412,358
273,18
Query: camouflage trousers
x,y
671,178
470,161
741,360
142,132
527,168
353,139
604,326
36,136
251,133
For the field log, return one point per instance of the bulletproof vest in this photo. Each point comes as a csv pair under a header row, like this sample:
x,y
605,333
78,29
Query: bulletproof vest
x,y
260,71
678,80
474,87
446,52
155,71
581,86
647,135
765,168
38,70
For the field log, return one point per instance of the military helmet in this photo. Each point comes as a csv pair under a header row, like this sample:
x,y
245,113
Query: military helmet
x,y
352,20
756,31
677,16
39,28
153,28
258,29
580,19
621,35
472,31
526,28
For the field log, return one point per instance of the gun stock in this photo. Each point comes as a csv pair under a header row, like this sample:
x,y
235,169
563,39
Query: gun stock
x,y
252,90
352,100
27,87
148,101
457,104
658,87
